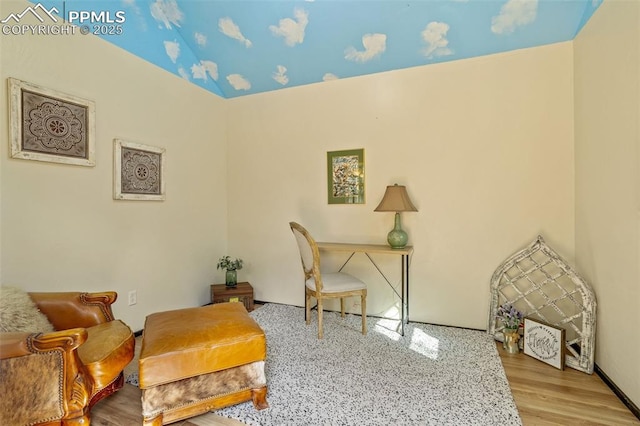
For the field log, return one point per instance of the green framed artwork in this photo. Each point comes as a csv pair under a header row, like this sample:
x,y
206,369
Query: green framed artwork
x,y
345,176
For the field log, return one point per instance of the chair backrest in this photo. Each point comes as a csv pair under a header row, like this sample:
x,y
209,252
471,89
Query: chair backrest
x,y
309,254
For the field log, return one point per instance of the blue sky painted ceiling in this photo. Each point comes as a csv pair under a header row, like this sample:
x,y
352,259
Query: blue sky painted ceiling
x,y
239,47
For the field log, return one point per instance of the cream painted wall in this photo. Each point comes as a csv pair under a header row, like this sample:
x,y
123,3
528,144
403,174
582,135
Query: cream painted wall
x,y
607,141
61,228
485,147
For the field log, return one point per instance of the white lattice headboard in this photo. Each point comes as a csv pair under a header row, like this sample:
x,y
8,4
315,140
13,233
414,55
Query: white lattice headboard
x,y
540,284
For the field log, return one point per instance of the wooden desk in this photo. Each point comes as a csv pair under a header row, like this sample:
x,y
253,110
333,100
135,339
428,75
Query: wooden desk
x,y
369,249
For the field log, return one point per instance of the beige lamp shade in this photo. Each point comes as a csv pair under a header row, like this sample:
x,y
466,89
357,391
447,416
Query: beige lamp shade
x,y
396,199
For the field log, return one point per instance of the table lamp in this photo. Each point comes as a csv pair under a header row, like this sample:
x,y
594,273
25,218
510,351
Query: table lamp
x,y
396,200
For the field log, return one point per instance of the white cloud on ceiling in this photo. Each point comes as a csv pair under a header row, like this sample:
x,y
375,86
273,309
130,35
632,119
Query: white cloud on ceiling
x,y
514,13
435,37
329,76
142,23
230,29
167,12
200,38
173,50
203,68
212,68
238,82
292,31
281,75
374,45
183,73
132,4
199,72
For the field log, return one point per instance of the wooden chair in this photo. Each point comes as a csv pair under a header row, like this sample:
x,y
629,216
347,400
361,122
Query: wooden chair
x,y
328,285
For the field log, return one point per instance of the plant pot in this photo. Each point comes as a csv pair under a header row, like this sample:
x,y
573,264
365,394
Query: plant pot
x,y
510,342
231,278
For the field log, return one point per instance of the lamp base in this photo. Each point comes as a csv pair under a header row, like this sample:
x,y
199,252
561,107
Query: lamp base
x,y
397,238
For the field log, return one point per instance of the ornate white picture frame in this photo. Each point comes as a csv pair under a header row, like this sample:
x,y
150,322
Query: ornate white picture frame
x,y
48,125
138,171
541,284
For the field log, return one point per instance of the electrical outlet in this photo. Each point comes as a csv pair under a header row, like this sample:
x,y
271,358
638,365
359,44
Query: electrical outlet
x,y
133,297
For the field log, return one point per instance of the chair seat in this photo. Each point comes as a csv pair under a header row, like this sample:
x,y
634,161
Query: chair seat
x,y
337,282
107,351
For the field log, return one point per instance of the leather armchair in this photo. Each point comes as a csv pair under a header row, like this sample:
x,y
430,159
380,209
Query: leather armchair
x,y
55,378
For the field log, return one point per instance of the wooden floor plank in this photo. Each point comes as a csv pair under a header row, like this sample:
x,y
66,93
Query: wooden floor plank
x,y
545,395
124,408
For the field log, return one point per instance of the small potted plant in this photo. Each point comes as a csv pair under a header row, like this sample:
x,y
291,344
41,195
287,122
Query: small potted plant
x,y
511,319
231,267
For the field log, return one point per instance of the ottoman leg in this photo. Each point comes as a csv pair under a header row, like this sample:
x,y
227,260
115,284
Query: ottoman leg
x,y
259,398
155,421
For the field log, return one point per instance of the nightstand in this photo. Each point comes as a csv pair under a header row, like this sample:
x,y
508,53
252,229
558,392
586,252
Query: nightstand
x,y
243,292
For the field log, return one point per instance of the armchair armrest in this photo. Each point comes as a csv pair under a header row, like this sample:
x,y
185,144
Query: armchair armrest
x,y
74,309
20,344
48,366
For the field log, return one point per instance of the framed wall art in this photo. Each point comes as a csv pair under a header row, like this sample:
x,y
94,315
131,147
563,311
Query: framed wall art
x,y
544,342
48,125
138,171
345,176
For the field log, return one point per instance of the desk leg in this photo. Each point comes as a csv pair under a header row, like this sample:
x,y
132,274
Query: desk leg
x,y
404,302
406,280
402,298
404,292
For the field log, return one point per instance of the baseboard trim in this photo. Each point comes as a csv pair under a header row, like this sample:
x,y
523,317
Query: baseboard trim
x,y
624,398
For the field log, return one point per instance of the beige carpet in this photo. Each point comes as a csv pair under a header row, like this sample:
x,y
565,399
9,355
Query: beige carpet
x,y
431,376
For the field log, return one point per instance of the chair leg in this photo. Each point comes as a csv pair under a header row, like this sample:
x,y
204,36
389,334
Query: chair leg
x,y
78,421
363,303
307,306
320,319
342,306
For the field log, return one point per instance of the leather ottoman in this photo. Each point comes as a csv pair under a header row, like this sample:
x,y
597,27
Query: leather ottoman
x,y
200,359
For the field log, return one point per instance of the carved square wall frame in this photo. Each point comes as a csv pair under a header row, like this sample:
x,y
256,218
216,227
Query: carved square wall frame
x,y
48,125
138,171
